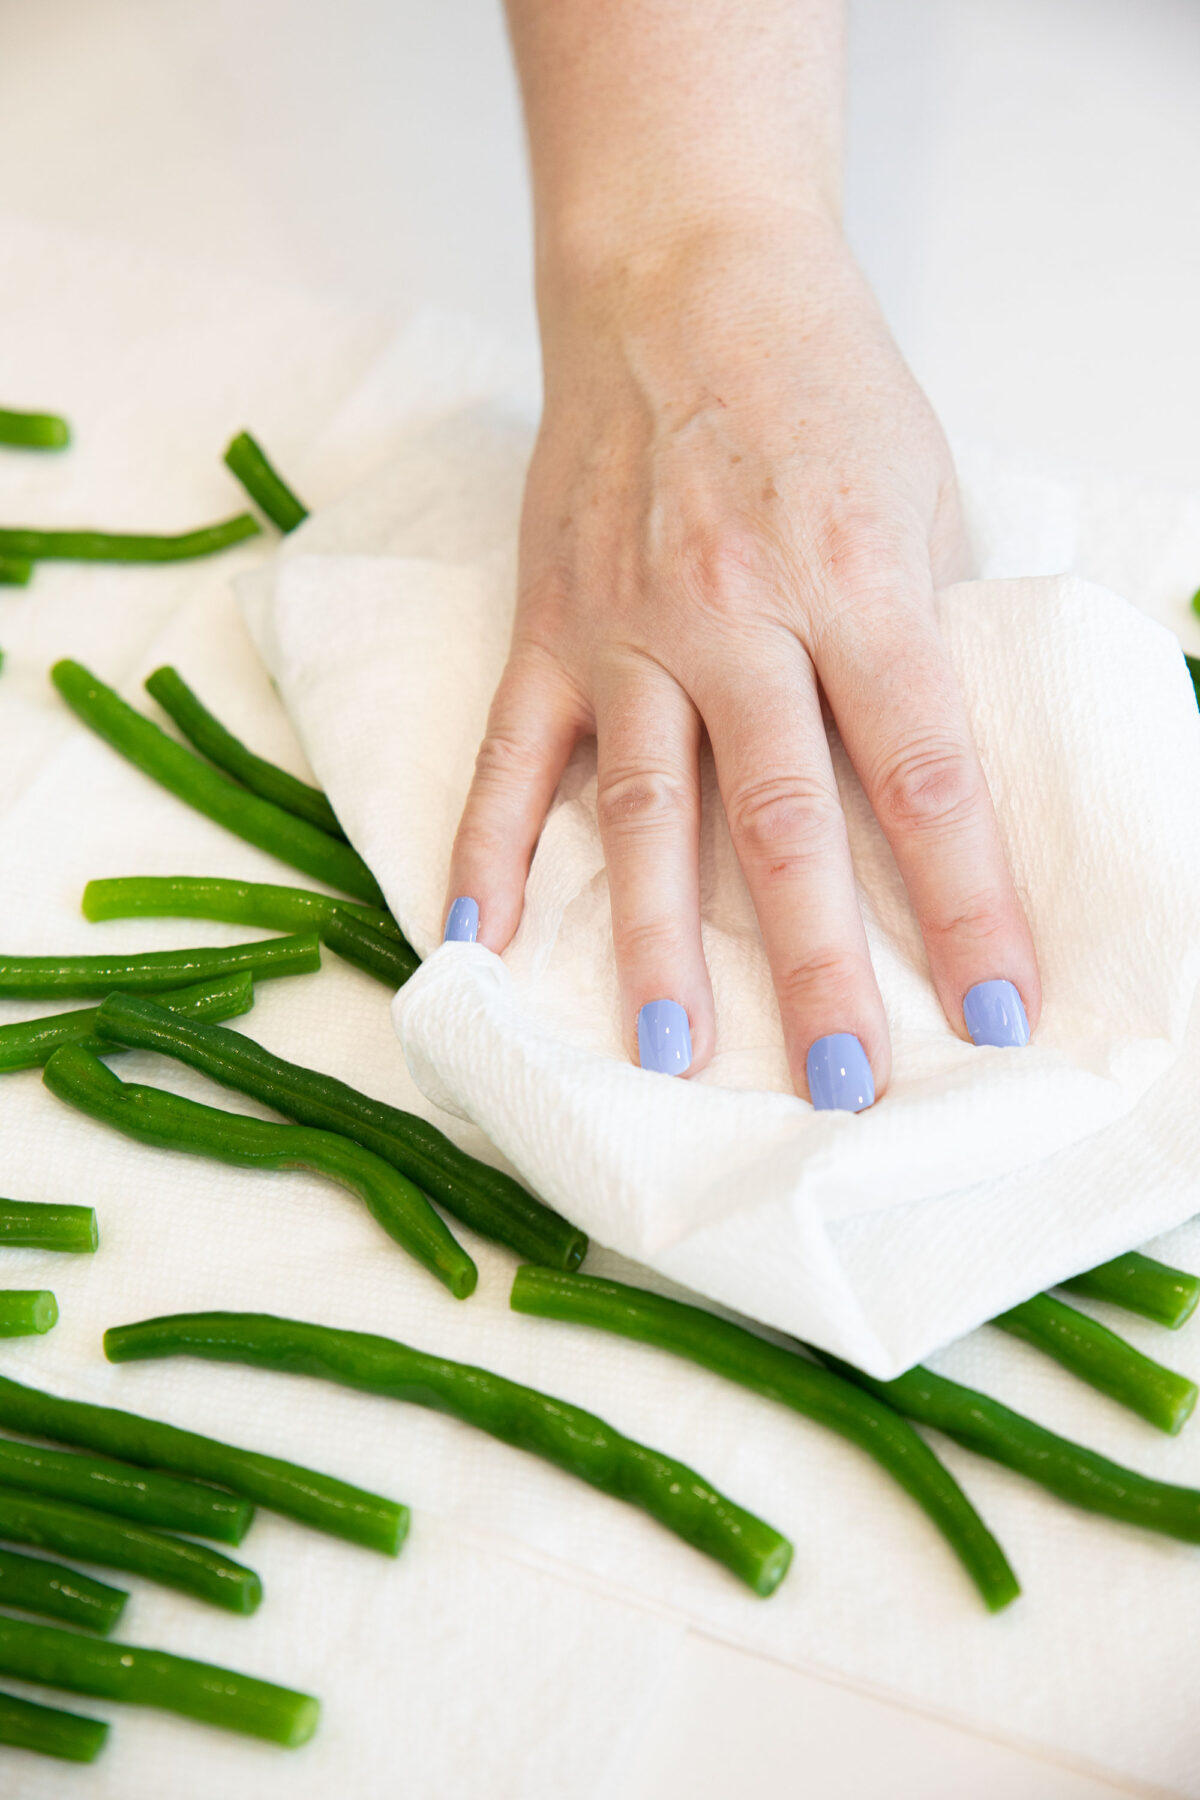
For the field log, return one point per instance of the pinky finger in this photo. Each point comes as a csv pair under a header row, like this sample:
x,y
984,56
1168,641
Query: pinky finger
x,y
535,721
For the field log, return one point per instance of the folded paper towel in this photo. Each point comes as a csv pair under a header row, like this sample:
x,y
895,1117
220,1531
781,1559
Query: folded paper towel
x,y
386,630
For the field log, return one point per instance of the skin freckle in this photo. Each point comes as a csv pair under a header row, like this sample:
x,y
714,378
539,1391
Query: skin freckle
x,y
770,491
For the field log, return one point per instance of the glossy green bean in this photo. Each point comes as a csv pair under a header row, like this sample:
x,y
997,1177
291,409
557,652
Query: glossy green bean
x,y
198,784
33,430
114,1543
1105,1361
264,484
1141,1285
152,1116
207,735
124,546
29,1043
71,1737
794,1381
145,1495
154,971
15,571
320,1501
491,1203
53,1591
562,1434
390,960
236,902
50,1657
1075,1474
27,1312
39,1225
1193,662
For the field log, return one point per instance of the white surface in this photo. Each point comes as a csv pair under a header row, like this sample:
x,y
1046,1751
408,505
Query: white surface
x,y
1020,187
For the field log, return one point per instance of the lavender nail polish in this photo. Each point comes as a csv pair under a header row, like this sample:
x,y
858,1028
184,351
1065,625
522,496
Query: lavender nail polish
x,y
839,1075
994,1014
462,921
664,1037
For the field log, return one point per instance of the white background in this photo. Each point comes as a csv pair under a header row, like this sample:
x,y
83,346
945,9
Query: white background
x,y
1022,187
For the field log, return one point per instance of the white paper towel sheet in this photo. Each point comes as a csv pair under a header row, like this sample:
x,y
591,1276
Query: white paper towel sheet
x,y
387,628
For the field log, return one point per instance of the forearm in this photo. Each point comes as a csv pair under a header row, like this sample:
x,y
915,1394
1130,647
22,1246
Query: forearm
x,y
650,120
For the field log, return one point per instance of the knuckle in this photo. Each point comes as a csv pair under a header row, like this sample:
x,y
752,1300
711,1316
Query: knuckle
x,y
719,562
981,919
505,761
647,943
642,801
928,787
783,824
828,979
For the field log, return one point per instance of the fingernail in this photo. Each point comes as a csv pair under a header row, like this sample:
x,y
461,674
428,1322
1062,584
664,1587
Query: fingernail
x,y
839,1075
462,921
994,1014
664,1037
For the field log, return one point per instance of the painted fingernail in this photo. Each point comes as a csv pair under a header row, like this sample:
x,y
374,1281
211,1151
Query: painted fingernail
x,y
462,921
994,1014
664,1037
839,1075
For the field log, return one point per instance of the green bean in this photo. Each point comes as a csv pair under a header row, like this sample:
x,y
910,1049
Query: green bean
x,y
236,902
146,1496
562,1434
114,1543
15,571
71,1736
154,971
1141,1285
389,961
125,547
794,1381
320,1501
206,734
1104,1360
1075,1474
27,1312
264,484
1193,663
50,1657
490,1202
152,1116
31,1042
33,430
38,1225
198,784
30,1584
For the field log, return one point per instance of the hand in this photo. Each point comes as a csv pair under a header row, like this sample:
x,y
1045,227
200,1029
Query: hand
x,y
741,504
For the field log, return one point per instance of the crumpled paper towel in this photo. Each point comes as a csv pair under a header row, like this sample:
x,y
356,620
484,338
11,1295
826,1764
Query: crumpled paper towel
x,y
386,631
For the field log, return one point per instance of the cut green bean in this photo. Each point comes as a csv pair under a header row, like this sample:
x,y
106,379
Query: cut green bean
x,y
1141,1285
27,1312
55,1592
154,971
15,571
198,784
114,1543
490,1202
72,1737
1075,1474
562,1434
146,1496
124,546
389,960
236,902
206,734
50,1657
264,484
794,1381
320,1501
39,1225
33,430
1193,665
31,1042
152,1116
1105,1361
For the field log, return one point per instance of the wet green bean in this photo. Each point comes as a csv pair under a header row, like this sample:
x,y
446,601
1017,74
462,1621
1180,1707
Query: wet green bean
x,y
33,430
55,1592
39,1225
562,1434
389,960
154,971
27,1312
122,546
145,1495
1141,1285
1105,1361
72,1737
264,484
199,785
236,902
15,571
31,1042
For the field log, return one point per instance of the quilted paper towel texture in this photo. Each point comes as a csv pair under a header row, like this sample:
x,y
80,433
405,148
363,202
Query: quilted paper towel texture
x,y
386,649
